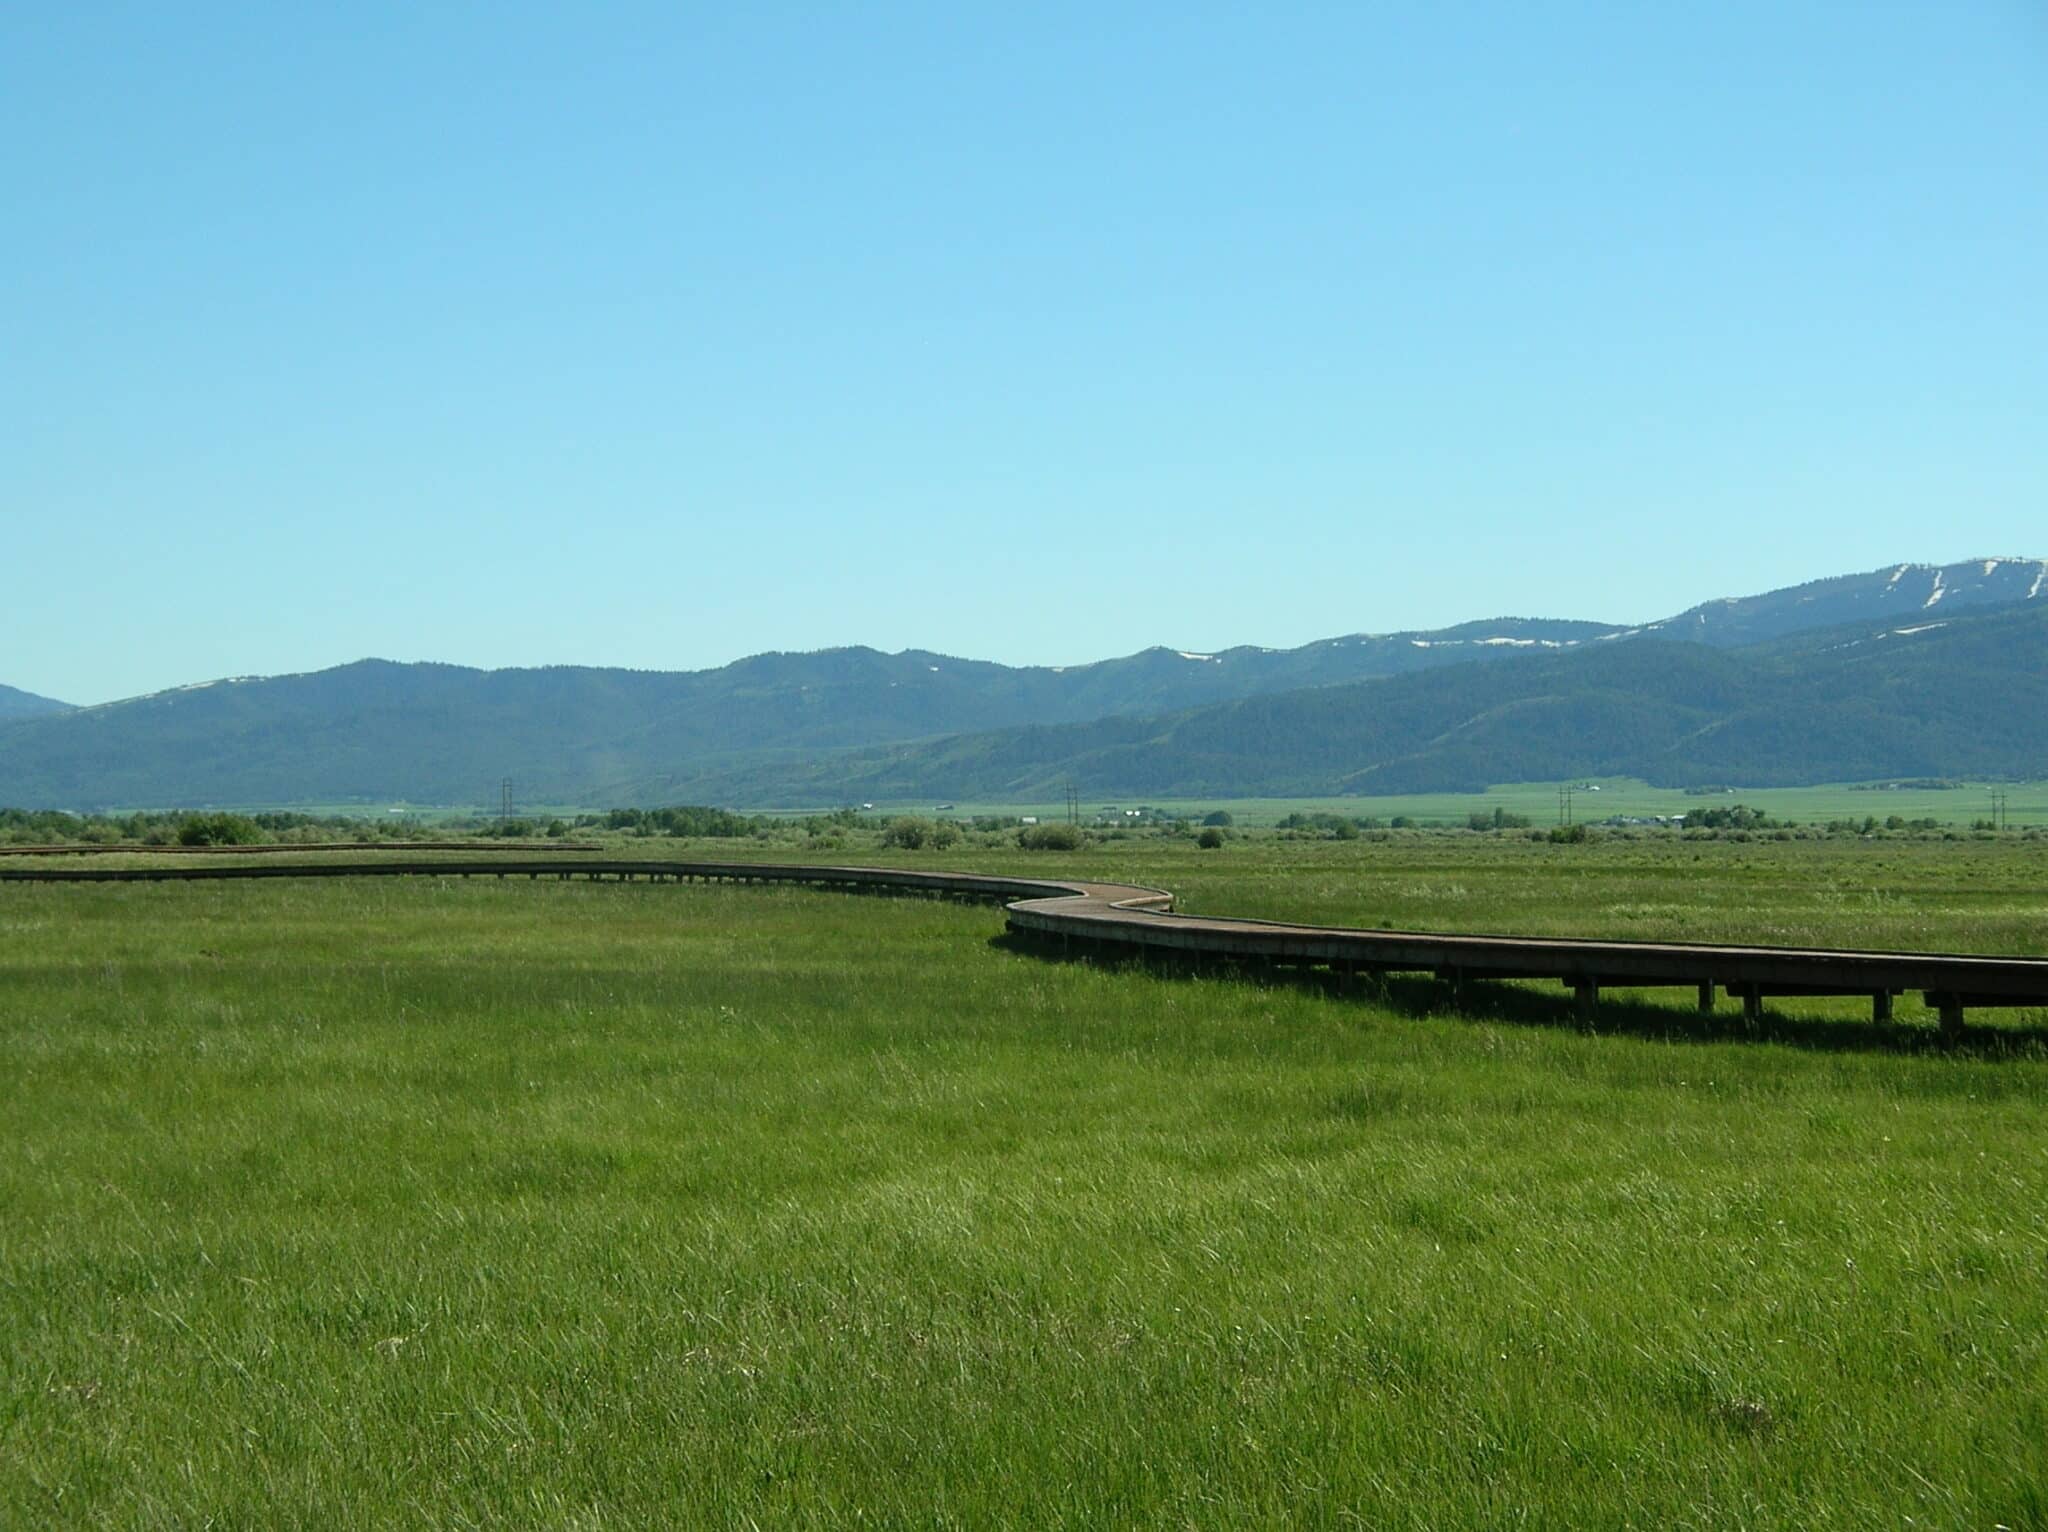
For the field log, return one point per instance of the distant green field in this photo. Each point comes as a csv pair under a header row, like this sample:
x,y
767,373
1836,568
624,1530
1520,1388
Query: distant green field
x,y
554,1204
423,813
432,813
2026,803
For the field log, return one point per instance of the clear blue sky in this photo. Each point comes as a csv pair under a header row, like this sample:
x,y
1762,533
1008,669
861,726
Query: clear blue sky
x,y
658,335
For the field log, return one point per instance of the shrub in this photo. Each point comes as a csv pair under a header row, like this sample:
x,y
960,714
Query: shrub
x,y
1337,825
1739,816
1218,817
1499,819
1570,835
907,833
1055,837
1210,839
219,830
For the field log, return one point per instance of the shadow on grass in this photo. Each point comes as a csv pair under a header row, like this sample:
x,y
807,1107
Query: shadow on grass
x,y
1517,1003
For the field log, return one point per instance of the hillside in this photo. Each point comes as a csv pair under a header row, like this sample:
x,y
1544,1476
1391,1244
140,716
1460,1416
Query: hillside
x,y
1905,593
15,703
380,730
1964,697
779,725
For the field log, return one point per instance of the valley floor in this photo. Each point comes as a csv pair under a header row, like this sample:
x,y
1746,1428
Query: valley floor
x,y
600,1205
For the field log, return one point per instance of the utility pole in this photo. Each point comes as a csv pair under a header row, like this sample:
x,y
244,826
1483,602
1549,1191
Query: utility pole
x,y
1073,804
505,800
1564,804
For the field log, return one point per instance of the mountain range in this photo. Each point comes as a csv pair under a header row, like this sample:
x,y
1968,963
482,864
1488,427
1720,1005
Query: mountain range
x,y
1963,697
1905,670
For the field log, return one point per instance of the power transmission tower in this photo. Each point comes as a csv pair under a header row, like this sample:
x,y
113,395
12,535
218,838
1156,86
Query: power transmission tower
x,y
1073,804
505,799
1564,805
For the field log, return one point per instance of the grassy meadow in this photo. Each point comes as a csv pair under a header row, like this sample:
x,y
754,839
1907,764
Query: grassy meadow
x,y
2025,803
464,1204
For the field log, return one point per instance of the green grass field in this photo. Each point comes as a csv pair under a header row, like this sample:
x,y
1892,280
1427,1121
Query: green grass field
x,y
480,1204
2026,803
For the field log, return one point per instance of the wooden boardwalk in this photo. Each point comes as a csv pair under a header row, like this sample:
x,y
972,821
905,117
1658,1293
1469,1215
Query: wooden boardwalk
x,y
1134,919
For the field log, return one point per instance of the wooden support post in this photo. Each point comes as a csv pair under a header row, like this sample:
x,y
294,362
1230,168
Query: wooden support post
x,y
1752,1007
1455,977
1706,1001
1587,994
1881,1007
1951,1018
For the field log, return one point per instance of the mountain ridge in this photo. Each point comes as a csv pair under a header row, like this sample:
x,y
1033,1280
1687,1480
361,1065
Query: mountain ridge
x,y
381,730
1841,705
16,703
1727,621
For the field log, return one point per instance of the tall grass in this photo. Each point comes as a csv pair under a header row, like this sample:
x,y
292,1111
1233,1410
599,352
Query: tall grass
x,y
464,1204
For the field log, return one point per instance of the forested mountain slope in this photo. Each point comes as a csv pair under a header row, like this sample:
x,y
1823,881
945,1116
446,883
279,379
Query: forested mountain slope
x,y
1966,697
781,724
16,703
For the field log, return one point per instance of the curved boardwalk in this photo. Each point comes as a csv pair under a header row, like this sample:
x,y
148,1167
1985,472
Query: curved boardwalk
x,y
1128,917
